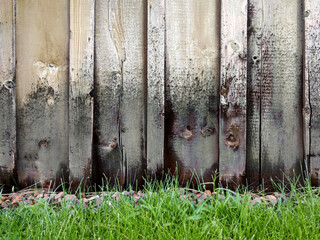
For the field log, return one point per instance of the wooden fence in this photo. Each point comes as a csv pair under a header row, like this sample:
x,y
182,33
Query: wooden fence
x,y
120,88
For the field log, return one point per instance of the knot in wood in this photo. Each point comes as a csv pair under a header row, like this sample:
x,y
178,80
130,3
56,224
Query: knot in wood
x,y
186,133
207,131
113,144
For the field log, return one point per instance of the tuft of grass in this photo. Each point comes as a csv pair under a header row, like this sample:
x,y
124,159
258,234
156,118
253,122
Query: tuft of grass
x,y
162,214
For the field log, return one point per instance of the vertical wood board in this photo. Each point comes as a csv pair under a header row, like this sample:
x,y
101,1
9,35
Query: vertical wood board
x,y
81,84
7,92
42,35
121,73
192,88
281,88
312,87
233,84
156,87
254,93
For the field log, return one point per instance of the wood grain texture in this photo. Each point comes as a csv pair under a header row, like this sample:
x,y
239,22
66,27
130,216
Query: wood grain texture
x,y
81,84
156,87
280,74
192,88
121,79
42,35
233,84
312,88
7,92
254,93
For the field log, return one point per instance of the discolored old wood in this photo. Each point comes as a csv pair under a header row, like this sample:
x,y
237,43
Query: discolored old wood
x,y
121,78
254,93
7,92
280,74
81,84
156,87
192,88
311,111
233,84
42,34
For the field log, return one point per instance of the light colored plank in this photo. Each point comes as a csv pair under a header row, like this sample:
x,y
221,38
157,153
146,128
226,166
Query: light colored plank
x,y
109,58
254,93
133,101
192,88
281,88
81,84
42,35
156,87
232,160
312,88
7,92
121,72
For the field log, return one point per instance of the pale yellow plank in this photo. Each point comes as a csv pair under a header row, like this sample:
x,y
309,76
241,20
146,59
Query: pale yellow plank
x,y
42,36
81,84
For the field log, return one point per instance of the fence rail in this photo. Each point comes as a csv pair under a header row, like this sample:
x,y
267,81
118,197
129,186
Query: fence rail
x,y
120,88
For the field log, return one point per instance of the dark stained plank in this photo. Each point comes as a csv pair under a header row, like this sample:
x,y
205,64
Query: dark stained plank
x,y
7,92
81,84
42,35
312,88
192,88
254,94
121,79
156,87
281,87
233,84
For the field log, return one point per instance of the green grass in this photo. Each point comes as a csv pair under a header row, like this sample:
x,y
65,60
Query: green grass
x,y
164,215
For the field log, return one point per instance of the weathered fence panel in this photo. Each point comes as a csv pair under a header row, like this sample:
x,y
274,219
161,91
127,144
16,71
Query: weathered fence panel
x,y
7,92
312,87
42,35
80,89
192,88
116,89
233,91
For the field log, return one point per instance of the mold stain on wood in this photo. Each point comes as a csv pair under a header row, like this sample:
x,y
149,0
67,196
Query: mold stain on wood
x,y
7,93
192,85
42,53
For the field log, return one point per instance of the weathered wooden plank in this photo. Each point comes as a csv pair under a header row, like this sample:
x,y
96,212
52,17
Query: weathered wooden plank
x,y
109,58
192,88
232,160
281,86
81,84
156,87
312,88
121,72
42,34
7,92
254,94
